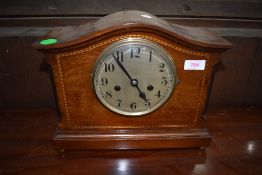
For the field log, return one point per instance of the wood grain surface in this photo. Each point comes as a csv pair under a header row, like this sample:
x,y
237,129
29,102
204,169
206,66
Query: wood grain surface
x,y
27,148
80,107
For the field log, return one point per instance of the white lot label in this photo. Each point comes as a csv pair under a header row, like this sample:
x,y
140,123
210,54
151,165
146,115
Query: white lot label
x,y
195,65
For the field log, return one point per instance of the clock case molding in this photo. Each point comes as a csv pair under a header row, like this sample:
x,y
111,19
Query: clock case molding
x,y
86,124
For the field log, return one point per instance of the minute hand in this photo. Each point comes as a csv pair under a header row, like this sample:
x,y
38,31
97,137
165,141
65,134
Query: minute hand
x,y
123,68
133,82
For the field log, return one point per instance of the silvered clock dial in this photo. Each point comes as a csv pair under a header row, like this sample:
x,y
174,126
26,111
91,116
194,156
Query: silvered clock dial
x,y
134,77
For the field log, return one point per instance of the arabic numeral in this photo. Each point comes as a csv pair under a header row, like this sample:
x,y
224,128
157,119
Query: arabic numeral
x,y
164,81
148,103
119,103
150,56
158,94
119,56
108,94
135,53
162,67
133,105
109,67
104,81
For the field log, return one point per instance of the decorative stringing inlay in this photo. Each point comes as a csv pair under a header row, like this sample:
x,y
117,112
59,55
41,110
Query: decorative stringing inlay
x,y
59,56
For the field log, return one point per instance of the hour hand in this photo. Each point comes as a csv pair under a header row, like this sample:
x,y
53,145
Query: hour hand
x,y
134,83
143,96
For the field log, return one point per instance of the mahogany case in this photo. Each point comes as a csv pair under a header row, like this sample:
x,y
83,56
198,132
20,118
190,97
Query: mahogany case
x,y
87,124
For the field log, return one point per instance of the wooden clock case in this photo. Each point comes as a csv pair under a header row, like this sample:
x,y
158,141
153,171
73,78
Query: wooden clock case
x,y
86,124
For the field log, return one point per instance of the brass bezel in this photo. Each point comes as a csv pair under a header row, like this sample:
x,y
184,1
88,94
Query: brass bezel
x,y
132,41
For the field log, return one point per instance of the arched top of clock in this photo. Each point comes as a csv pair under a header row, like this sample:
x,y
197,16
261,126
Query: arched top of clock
x,y
128,21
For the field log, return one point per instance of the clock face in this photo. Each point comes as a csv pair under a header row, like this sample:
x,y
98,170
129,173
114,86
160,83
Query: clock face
x,y
133,77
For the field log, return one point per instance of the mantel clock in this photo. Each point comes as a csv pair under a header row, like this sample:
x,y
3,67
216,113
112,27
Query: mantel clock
x,y
130,80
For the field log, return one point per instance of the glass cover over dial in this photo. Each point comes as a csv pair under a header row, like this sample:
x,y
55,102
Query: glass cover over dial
x,y
134,77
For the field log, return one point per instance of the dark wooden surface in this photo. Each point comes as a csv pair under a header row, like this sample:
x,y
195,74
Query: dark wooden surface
x,y
23,75
27,148
253,93
125,21
234,75
203,8
48,21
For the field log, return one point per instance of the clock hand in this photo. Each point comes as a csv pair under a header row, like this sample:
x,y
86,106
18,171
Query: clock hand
x,y
134,82
141,94
123,68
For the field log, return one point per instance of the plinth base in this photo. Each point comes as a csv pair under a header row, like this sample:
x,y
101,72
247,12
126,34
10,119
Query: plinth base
x,y
132,139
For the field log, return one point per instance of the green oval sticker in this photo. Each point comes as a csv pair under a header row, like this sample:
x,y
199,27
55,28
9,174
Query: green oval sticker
x,y
48,41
